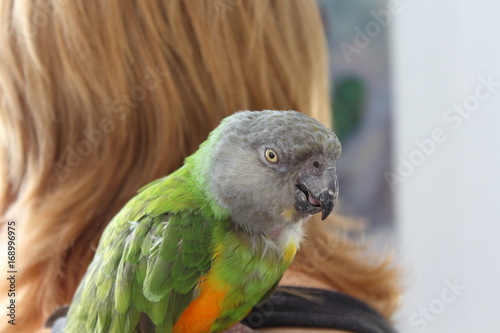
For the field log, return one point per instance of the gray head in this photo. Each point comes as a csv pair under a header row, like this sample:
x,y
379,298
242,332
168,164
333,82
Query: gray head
x,y
271,168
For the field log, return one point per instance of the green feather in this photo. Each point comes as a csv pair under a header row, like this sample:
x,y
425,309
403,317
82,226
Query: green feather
x,y
103,319
134,242
140,301
157,310
123,286
141,270
117,324
103,290
132,319
91,319
166,326
156,284
185,284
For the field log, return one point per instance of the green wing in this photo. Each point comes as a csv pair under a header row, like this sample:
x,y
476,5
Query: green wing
x,y
147,265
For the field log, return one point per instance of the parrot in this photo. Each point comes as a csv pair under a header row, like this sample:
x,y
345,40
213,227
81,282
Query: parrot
x,y
194,251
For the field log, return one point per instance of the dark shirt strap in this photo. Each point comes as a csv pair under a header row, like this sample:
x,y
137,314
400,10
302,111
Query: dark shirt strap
x,y
316,308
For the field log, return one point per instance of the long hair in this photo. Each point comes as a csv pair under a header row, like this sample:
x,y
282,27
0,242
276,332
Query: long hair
x,y
97,98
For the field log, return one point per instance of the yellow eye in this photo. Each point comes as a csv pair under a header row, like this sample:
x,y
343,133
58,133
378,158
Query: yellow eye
x,y
271,156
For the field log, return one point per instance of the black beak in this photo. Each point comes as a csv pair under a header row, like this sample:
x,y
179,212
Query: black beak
x,y
317,192
327,201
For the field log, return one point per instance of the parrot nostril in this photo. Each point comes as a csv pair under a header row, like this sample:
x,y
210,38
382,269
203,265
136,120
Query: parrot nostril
x,y
316,164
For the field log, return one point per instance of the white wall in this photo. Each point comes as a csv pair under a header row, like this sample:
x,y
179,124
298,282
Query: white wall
x,y
448,201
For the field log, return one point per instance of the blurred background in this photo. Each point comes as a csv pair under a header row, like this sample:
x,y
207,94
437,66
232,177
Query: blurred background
x,y
361,94
417,105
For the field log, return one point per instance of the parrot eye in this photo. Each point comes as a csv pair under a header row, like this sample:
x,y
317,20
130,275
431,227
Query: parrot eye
x,y
271,156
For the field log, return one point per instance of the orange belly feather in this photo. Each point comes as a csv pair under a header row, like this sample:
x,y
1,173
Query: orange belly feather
x,y
203,311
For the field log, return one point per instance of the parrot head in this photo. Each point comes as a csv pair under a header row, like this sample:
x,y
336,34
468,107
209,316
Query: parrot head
x,y
273,168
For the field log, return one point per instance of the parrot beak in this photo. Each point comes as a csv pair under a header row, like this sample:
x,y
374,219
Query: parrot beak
x,y
317,191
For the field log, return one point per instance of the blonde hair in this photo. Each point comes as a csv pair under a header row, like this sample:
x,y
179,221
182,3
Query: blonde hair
x,y
97,98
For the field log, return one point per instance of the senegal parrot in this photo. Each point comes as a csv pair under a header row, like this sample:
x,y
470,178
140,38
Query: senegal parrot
x,y
193,252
